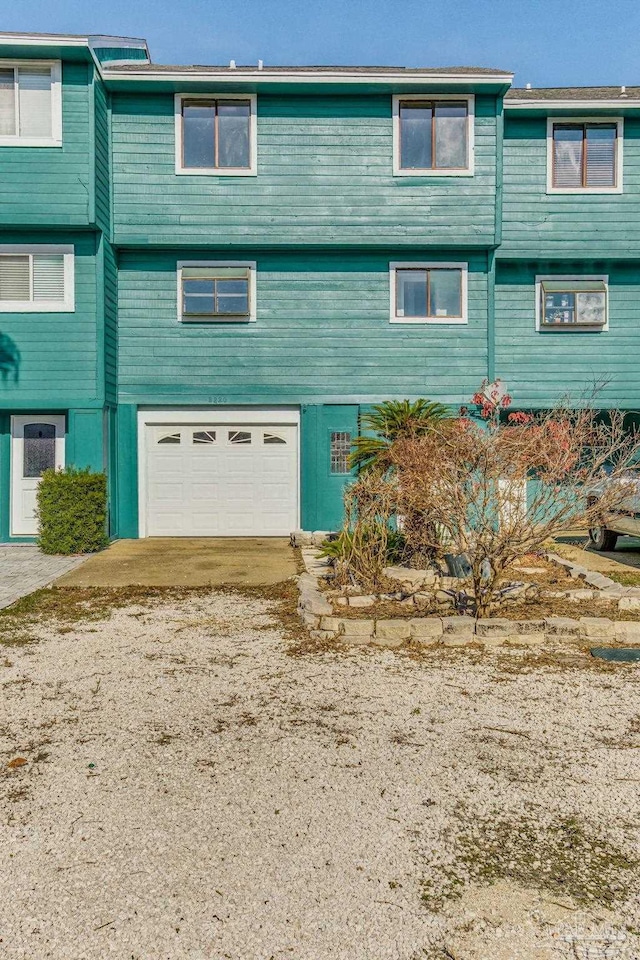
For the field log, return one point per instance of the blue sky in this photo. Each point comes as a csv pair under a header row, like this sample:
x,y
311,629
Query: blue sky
x,y
546,43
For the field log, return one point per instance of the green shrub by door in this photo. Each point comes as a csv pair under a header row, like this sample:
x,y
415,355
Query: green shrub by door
x,y
72,510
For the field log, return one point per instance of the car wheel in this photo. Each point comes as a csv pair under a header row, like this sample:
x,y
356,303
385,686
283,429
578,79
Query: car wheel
x,y
603,539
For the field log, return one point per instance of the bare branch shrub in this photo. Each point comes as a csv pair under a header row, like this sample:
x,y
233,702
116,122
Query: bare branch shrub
x,y
362,549
470,480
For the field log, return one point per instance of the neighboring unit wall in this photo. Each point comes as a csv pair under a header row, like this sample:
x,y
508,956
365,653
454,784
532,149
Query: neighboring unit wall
x,y
51,360
110,287
51,186
325,176
102,152
538,224
322,334
541,367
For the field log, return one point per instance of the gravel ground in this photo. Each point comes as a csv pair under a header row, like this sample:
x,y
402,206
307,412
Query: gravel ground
x,y
193,790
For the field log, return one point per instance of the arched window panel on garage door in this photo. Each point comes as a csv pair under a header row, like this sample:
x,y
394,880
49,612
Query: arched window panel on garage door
x,y
239,436
204,436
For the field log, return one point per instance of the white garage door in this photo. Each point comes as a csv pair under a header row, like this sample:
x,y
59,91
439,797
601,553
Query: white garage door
x,y
221,480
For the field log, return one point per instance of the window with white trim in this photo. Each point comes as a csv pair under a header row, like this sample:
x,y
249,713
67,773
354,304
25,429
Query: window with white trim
x,y
216,135
433,135
30,104
36,279
428,292
219,292
572,303
585,156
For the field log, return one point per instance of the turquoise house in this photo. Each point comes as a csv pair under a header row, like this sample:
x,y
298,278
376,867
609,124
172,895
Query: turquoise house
x,y
208,273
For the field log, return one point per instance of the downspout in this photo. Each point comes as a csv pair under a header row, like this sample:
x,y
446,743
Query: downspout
x,y
491,254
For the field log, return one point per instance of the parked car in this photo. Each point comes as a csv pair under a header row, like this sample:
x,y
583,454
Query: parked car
x,y
624,521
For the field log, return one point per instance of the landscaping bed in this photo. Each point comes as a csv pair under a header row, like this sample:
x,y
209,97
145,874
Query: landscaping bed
x,y
556,602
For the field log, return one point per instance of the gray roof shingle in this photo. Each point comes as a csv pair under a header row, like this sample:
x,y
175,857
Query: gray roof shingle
x,y
251,69
573,93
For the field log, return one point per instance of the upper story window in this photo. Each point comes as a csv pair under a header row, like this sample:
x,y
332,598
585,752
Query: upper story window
x,y
216,135
30,104
572,303
428,292
584,156
433,136
210,292
36,279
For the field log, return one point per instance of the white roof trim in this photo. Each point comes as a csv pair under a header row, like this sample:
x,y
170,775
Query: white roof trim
x,y
239,75
65,40
619,104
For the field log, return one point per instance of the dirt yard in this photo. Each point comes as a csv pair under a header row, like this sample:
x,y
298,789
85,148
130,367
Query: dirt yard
x,y
183,778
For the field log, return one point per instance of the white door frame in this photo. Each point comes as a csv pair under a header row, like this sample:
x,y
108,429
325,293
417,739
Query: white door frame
x,y
18,423
206,416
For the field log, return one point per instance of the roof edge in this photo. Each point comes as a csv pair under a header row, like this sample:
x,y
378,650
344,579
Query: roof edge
x,y
343,76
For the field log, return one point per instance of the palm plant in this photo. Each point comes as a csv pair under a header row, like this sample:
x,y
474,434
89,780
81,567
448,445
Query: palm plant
x,y
390,421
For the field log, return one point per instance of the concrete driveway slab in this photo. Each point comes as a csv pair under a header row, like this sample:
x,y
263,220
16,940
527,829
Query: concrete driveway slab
x,y
187,562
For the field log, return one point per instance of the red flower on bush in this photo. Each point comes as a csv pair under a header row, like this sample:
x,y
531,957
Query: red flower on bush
x,y
520,417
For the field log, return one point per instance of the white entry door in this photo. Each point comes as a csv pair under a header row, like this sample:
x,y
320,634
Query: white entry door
x,y
221,480
37,444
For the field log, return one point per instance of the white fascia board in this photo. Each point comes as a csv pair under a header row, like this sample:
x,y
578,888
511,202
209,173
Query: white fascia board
x,y
238,75
575,105
48,40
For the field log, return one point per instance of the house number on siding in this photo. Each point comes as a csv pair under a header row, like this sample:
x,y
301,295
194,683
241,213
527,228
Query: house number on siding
x,y
217,399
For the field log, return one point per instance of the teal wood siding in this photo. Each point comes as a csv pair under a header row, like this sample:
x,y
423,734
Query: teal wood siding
x,y
322,335
537,224
51,186
110,322
50,360
324,178
541,367
102,157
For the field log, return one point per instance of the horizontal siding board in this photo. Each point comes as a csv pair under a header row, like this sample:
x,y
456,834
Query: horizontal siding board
x,y
541,367
51,185
322,331
324,176
57,352
537,224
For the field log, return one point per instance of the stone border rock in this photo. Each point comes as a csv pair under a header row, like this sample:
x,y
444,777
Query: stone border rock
x,y
457,631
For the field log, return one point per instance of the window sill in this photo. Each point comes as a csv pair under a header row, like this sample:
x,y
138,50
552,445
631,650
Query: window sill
x,y
42,306
215,172
574,328
216,320
423,174
436,321
585,191
30,142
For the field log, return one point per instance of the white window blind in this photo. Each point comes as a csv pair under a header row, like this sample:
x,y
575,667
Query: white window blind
x,y
15,279
34,92
26,102
7,102
32,278
48,276
601,156
584,156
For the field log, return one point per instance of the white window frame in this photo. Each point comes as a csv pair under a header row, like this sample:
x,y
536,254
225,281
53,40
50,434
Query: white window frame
x,y
251,170
430,265
44,306
55,140
469,170
251,265
559,121
570,278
